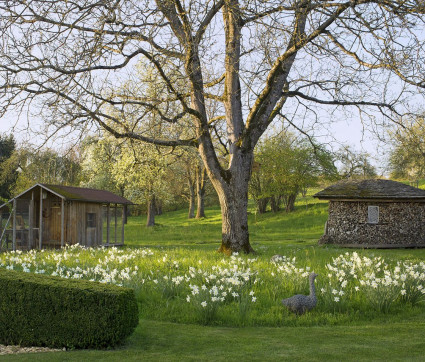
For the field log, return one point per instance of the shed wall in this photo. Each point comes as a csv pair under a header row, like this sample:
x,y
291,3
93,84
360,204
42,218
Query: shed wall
x,y
400,223
76,227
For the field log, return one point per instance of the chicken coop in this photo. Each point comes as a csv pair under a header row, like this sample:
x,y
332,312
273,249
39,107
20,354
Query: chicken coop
x,y
52,216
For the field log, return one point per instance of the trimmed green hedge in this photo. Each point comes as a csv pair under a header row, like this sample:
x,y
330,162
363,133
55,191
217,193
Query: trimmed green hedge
x,y
38,310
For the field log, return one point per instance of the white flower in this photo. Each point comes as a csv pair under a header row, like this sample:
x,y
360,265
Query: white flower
x,y
251,293
323,290
336,299
254,299
188,298
356,288
204,304
403,292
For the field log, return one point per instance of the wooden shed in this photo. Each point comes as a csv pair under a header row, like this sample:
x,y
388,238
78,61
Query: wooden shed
x,y
374,214
52,216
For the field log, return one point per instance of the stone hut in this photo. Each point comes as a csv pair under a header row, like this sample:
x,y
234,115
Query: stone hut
x,y
374,214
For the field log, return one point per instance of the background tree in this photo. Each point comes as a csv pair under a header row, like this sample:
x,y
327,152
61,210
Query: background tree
x,y
257,59
181,178
189,169
201,183
47,166
8,166
98,158
355,165
141,167
288,165
407,156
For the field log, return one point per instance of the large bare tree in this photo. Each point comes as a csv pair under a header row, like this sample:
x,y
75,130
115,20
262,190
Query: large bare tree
x,y
257,59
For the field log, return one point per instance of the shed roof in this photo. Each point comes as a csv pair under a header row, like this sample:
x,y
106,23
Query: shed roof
x,y
371,190
73,193
86,194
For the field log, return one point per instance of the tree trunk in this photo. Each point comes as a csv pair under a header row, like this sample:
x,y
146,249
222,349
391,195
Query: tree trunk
x,y
290,202
200,192
262,205
274,203
151,212
191,213
233,196
158,207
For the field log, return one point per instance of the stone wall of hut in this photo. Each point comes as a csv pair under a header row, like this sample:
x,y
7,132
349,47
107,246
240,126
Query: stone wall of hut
x,y
399,224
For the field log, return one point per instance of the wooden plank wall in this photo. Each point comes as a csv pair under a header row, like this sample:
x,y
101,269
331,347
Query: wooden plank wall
x,y
75,220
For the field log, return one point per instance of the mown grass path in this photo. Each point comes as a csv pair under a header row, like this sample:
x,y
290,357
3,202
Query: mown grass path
x,y
161,341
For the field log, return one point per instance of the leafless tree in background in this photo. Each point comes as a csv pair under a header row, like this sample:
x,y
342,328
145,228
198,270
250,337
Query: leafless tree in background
x,y
74,63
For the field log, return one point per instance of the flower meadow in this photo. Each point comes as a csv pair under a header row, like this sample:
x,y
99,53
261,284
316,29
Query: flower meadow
x,y
194,286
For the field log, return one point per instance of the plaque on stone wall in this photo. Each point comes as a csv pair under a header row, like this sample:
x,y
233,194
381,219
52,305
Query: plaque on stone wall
x,y
373,214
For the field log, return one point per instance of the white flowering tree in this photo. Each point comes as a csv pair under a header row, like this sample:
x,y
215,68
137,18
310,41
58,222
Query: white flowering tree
x,y
141,167
258,59
98,157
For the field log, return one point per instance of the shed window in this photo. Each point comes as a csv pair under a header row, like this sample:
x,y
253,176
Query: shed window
x,y
373,214
91,220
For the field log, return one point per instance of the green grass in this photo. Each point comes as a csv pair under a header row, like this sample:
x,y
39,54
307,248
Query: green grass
x,y
164,341
175,229
349,332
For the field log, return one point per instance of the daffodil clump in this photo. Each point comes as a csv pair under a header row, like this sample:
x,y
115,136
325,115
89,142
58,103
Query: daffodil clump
x,y
193,286
374,281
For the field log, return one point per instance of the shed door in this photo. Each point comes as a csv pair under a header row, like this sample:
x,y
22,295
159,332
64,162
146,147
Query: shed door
x,y
55,222
91,237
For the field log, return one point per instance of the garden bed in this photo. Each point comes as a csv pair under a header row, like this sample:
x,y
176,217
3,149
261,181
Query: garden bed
x,y
198,286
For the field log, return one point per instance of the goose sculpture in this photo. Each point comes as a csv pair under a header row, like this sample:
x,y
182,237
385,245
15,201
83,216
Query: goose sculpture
x,y
299,304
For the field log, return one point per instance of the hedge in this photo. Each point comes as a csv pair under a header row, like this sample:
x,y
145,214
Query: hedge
x,y
37,310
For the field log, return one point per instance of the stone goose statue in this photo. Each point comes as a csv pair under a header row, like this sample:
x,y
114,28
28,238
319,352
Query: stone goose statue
x,y
299,304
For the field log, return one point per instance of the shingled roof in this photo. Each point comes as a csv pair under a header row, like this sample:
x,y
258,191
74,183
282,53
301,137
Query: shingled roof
x,y
85,194
371,190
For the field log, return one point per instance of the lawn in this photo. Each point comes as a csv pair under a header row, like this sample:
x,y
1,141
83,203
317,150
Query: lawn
x,y
174,268
306,225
